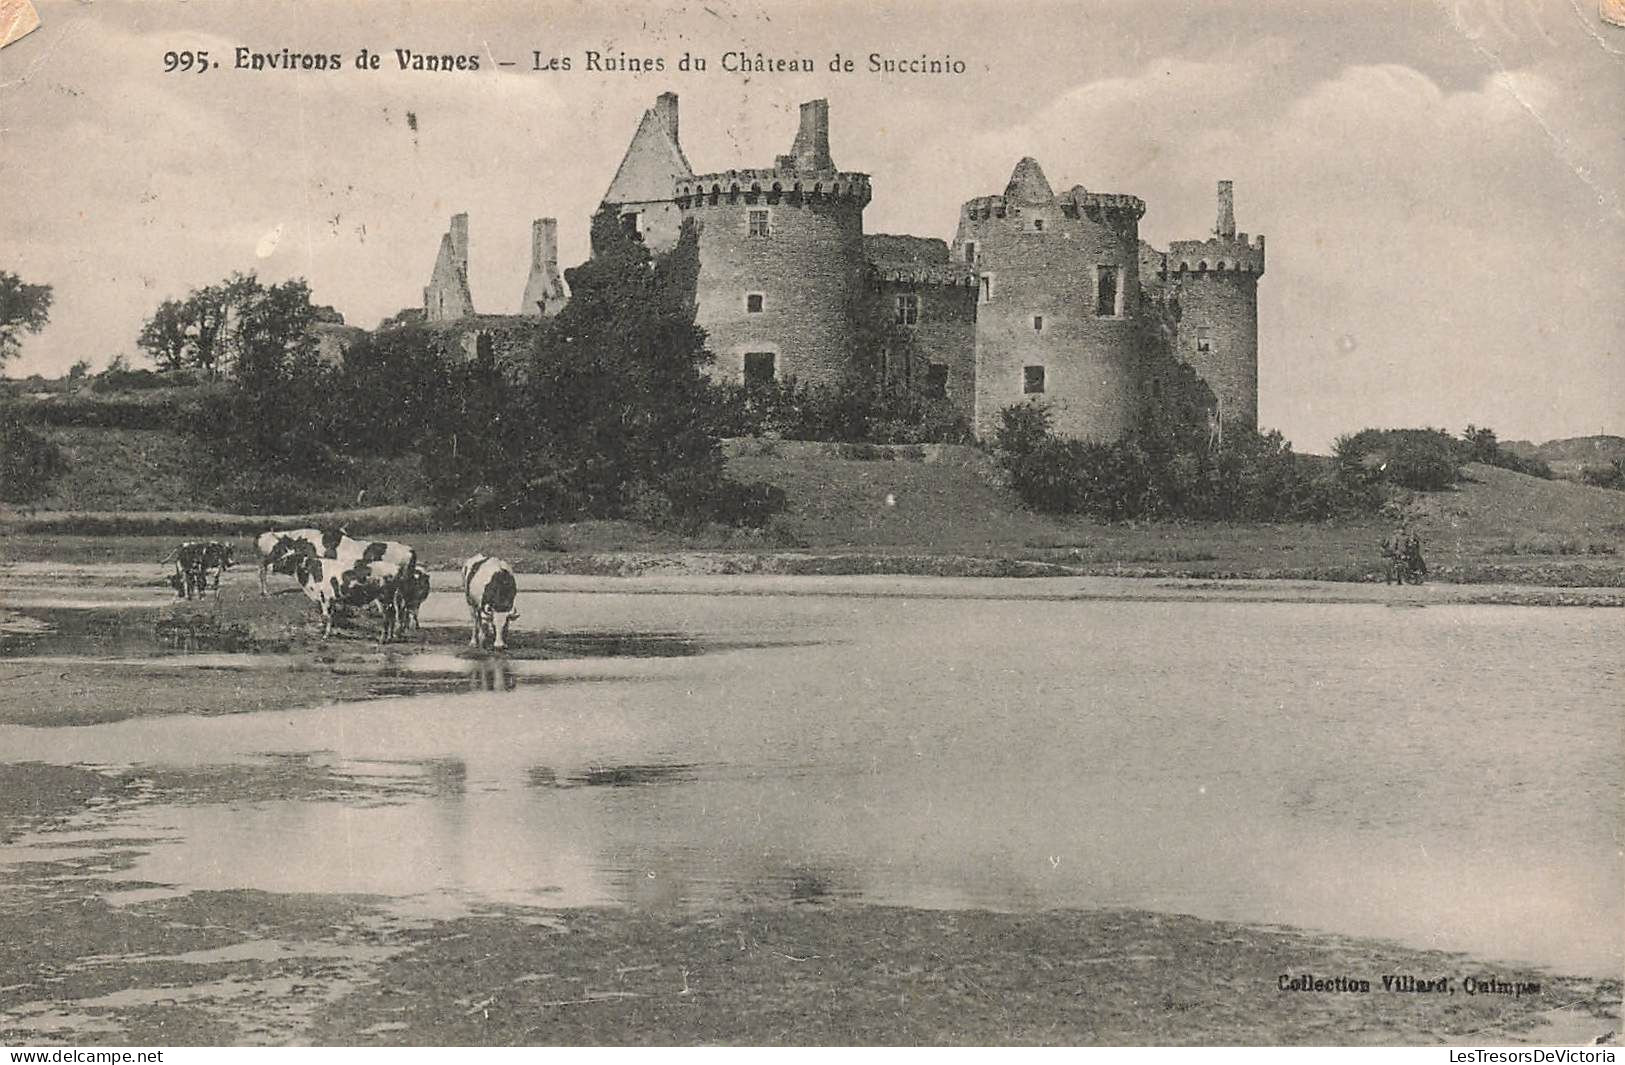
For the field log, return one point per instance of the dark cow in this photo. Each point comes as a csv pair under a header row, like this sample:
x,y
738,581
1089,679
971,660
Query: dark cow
x,y
331,582
280,549
490,589
195,560
413,593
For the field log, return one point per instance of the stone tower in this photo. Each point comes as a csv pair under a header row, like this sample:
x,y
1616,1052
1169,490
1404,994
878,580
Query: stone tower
x,y
782,262
544,290
446,297
1058,318
1212,286
642,190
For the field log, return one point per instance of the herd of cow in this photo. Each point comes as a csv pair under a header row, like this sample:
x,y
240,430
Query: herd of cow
x,y
336,570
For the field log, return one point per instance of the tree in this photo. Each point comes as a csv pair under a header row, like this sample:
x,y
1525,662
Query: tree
x,y
612,416
206,329
24,308
166,336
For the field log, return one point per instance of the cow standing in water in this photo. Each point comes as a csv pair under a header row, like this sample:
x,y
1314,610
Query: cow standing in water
x,y
490,589
330,583
413,594
194,561
281,549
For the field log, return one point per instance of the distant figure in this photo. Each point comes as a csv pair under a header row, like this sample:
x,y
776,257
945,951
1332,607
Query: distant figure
x,y
1393,554
1402,553
1414,565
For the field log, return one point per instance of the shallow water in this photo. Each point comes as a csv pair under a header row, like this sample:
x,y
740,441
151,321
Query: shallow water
x,y
1448,776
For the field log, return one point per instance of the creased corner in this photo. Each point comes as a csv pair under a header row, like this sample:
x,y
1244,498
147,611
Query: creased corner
x,y
17,20
1612,11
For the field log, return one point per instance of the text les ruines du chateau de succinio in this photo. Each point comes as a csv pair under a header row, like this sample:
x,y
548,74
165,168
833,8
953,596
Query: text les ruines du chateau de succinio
x,y
743,62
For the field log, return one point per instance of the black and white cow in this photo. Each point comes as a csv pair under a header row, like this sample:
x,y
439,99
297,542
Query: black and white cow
x,y
354,583
415,591
281,549
195,560
490,589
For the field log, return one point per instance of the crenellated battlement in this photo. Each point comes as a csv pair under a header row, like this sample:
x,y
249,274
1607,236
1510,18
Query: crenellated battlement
x,y
1216,256
1099,207
789,184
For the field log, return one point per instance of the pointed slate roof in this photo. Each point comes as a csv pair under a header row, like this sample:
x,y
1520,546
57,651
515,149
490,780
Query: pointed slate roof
x,y
1028,183
653,164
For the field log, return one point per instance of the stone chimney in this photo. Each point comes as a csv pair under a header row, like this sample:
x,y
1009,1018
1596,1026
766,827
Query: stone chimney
x,y
446,298
1226,224
459,243
811,148
544,291
666,109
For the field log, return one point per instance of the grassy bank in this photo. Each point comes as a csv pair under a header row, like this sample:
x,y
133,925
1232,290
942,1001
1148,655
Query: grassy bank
x,y
941,510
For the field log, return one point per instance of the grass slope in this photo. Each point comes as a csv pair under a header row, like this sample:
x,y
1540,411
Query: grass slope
x,y
898,510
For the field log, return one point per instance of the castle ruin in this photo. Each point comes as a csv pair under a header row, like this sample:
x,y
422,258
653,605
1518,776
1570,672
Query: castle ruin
x,y
1039,296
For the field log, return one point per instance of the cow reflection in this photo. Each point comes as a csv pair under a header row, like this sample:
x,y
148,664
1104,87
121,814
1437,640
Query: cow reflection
x,y
492,675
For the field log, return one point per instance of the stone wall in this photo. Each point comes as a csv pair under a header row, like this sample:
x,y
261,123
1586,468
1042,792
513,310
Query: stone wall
x,y
943,332
446,297
808,270
1040,259
1220,312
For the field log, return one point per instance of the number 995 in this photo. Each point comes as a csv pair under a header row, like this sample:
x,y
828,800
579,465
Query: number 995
x,y
180,62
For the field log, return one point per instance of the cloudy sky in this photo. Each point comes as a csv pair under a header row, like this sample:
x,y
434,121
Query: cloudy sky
x,y
1442,184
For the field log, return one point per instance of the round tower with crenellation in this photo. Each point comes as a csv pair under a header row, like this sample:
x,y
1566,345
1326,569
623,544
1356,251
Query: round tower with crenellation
x,y
782,263
1211,289
1058,318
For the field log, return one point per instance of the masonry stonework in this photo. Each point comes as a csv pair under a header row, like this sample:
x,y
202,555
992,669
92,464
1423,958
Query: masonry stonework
x,y
1058,320
1041,297
446,298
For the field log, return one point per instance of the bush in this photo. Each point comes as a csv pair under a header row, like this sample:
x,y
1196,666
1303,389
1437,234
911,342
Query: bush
x,y
852,411
1426,460
257,491
100,412
1165,473
122,379
28,463
1481,445
1609,476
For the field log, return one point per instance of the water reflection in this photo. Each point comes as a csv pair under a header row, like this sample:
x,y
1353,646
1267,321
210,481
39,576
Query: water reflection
x,y
492,674
1250,762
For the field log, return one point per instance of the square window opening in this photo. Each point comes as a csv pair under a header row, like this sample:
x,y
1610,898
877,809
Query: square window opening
x,y
936,380
755,302
759,369
759,225
1032,380
908,309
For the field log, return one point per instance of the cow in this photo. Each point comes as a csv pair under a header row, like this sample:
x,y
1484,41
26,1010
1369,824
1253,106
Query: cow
x,y
280,549
413,593
194,561
490,589
330,582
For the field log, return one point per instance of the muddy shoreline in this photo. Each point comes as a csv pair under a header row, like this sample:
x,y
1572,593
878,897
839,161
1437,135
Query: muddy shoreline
x,y
245,967
92,955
